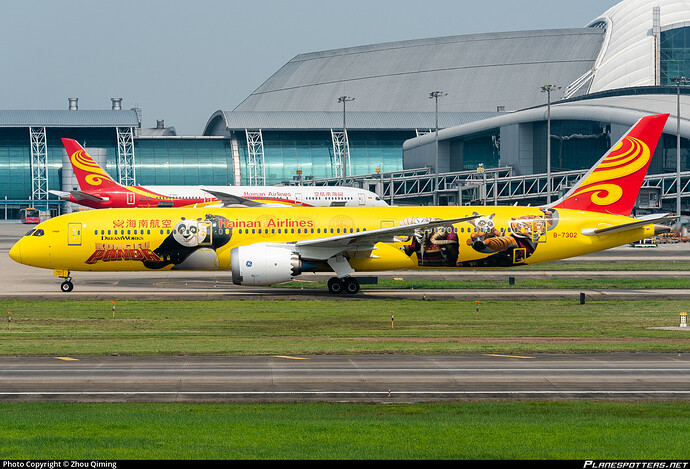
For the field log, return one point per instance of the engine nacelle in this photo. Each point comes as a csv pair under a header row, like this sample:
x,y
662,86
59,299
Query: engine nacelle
x,y
264,264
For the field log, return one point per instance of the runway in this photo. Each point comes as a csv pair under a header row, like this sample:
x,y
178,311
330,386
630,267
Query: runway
x,y
360,378
20,281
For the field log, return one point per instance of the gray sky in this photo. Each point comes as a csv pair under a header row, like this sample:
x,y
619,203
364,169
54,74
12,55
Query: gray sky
x,y
183,60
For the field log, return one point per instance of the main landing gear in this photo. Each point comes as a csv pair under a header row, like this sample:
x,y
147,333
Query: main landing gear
x,y
345,285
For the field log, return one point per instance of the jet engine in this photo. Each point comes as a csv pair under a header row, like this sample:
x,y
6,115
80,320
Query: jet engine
x,y
264,264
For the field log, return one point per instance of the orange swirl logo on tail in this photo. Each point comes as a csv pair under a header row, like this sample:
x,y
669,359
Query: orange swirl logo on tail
x,y
95,175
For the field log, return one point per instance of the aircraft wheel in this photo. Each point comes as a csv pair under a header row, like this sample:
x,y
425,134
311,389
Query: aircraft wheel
x,y
335,285
66,286
351,285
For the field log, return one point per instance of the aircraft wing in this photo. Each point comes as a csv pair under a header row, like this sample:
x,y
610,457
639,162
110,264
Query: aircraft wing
x,y
629,226
325,248
78,195
230,199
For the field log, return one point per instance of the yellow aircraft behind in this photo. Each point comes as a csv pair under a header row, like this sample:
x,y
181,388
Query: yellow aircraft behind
x,y
266,246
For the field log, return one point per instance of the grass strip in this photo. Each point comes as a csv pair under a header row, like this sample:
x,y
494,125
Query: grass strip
x,y
468,430
258,327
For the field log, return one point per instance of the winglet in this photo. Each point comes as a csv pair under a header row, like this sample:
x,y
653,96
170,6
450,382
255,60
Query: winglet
x,y
613,184
89,175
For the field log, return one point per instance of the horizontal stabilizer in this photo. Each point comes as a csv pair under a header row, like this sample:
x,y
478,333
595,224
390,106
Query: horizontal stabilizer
x,y
78,195
61,194
628,226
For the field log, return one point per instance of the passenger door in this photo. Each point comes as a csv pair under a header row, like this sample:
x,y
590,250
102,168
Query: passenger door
x,y
74,234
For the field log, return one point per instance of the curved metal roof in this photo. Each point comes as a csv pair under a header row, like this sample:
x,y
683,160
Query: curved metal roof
x,y
479,72
221,122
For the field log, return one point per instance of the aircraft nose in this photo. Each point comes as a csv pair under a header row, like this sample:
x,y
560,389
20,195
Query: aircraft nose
x,y
16,253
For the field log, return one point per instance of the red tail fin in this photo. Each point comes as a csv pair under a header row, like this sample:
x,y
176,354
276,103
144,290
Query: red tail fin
x,y
613,185
89,175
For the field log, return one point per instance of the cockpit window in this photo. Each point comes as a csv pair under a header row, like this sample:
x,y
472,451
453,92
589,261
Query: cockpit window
x,y
38,233
30,232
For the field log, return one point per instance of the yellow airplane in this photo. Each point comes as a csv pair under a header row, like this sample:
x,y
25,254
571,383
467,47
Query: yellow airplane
x,y
266,246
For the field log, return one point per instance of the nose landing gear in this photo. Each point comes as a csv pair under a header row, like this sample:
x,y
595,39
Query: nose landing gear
x,y
67,285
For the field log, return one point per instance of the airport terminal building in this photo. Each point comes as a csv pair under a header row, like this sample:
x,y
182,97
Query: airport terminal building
x,y
368,116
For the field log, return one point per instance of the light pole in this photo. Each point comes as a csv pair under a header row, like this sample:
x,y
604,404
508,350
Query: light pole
x,y
548,89
678,81
435,95
344,99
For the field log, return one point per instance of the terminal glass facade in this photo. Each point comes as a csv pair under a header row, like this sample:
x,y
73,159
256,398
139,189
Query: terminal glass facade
x,y
674,54
286,152
15,156
575,144
182,161
484,149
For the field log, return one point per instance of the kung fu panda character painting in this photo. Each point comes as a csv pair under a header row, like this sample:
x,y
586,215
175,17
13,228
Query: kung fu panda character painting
x,y
192,244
